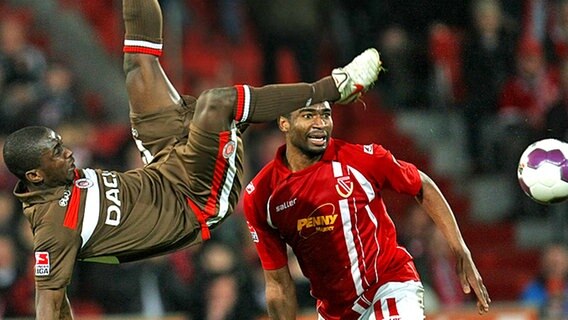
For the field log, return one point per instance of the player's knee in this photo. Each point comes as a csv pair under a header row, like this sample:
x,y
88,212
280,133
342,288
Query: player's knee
x,y
218,103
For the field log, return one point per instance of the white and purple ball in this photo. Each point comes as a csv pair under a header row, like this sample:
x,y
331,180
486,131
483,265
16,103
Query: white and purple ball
x,y
543,171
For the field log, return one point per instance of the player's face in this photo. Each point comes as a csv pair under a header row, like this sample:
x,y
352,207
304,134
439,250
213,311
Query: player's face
x,y
310,129
57,164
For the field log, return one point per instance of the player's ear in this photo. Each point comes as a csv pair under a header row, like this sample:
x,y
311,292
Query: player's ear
x,y
283,123
34,176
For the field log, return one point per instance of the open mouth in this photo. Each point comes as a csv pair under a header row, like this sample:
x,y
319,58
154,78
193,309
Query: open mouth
x,y
317,138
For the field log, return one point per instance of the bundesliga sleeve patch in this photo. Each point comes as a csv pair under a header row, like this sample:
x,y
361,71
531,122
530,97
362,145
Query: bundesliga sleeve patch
x,y
42,264
253,233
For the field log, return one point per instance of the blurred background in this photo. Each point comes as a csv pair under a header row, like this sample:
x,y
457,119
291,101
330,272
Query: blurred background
x,y
469,84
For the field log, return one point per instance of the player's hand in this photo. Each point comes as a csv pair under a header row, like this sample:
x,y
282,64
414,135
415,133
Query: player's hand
x,y
470,278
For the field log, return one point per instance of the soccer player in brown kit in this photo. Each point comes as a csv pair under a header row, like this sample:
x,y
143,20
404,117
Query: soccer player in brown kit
x,y
193,172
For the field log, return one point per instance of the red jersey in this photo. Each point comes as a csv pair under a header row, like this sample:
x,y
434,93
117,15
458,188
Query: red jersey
x,y
334,219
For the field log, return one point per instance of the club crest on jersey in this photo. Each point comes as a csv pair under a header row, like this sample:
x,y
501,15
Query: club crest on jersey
x,y
84,183
344,186
229,149
368,148
42,265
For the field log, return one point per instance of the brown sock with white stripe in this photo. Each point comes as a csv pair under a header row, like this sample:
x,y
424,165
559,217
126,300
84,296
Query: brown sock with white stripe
x,y
143,25
267,103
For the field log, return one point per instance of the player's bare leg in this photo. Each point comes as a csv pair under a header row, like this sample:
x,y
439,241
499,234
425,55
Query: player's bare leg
x,y
147,85
216,109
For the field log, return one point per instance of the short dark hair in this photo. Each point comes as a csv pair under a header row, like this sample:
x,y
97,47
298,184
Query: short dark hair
x,y
22,152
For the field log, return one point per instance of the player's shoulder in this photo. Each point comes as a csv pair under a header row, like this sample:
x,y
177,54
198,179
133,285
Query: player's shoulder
x,y
359,150
261,181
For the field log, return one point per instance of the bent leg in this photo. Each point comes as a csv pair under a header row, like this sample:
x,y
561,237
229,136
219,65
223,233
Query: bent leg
x,y
147,85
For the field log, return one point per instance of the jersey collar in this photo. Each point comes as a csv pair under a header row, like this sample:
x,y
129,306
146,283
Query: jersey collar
x,y
282,168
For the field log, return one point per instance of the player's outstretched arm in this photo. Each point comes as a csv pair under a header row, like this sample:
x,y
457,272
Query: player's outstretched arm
x,y
435,204
53,305
280,294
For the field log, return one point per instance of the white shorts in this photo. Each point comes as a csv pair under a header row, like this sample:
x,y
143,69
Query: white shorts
x,y
394,301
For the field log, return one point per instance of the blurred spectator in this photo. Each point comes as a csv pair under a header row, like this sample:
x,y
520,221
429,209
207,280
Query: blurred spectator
x,y
538,17
8,214
224,289
162,291
263,142
556,43
356,25
22,67
16,281
525,99
445,70
488,61
7,180
549,289
414,234
115,289
397,53
8,268
557,117
21,296
433,260
295,25
527,96
58,100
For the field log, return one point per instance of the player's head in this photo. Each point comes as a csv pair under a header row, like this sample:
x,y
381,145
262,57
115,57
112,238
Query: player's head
x,y
308,129
37,156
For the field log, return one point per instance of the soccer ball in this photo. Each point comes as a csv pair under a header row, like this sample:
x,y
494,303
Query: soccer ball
x,y
543,171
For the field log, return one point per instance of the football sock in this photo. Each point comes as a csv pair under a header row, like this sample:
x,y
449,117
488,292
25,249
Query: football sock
x,y
143,24
267,103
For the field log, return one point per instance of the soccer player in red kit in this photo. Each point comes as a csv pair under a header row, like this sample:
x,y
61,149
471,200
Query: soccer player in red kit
x,y
322,197
193,152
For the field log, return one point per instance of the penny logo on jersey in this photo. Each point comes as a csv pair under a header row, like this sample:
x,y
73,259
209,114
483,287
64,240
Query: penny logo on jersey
x,y
344,186
42,264
321,219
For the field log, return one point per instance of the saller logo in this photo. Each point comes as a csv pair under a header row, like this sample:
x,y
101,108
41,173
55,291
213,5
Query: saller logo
x,y
42,265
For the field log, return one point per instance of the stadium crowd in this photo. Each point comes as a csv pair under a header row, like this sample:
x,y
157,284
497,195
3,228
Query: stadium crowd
x,y
504,69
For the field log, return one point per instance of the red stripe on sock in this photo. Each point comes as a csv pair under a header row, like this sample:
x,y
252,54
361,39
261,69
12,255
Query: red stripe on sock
x,y
136,49
72,213
240,102
218,174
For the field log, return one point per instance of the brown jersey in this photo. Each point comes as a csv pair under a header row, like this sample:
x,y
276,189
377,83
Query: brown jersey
x,y
191,183
106,217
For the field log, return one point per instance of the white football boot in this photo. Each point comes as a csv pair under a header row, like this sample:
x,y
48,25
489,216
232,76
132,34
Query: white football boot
x,y
358,76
